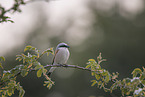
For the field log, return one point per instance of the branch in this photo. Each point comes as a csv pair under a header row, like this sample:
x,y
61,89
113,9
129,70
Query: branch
x,y
55,65
70,66
15,8
65,65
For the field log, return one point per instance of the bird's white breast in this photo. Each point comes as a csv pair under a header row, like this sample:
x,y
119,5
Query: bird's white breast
x,y
61,56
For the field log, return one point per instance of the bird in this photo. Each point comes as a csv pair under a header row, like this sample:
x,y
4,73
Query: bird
x,y
60,57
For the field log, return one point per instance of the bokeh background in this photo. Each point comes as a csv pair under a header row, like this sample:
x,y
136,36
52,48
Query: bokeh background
x,y
116,28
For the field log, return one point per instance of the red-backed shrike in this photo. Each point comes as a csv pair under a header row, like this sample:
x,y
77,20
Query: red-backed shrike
x,y
61,56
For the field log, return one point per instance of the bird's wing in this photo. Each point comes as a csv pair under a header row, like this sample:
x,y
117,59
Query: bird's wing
x,y
55,55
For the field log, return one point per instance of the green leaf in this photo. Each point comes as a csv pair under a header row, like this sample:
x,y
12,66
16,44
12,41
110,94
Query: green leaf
x,y
38,67
9,92
143,83
91,60
127,80
2,58
21,92
1,65
88,66
105,73
136,71
32,48
24,72
142,75
27,48
100,82
39,73
92,73
113,87
97,76
94,82
48,83
106,90
49,86
107,78
44,71
47,53
3,96
19,57
49,50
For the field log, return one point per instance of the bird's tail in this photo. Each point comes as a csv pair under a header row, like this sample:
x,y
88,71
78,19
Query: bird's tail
x,y
50,71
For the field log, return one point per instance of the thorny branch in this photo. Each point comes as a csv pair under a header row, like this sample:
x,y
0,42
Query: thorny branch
x,y
15,8
55,65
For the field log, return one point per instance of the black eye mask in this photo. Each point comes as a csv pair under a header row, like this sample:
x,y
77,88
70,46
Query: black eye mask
x,y
64,46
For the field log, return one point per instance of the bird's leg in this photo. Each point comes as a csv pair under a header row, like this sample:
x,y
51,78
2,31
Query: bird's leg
x,y
65,65
61,65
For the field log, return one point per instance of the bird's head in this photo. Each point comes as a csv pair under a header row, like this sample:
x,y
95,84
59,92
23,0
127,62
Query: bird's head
x,y
60,45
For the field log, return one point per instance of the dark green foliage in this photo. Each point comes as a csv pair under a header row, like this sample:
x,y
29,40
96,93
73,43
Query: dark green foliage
x,y
128,86
14,8
30,63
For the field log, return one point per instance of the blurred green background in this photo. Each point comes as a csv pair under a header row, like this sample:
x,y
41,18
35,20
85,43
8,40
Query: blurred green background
x,y
116,28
